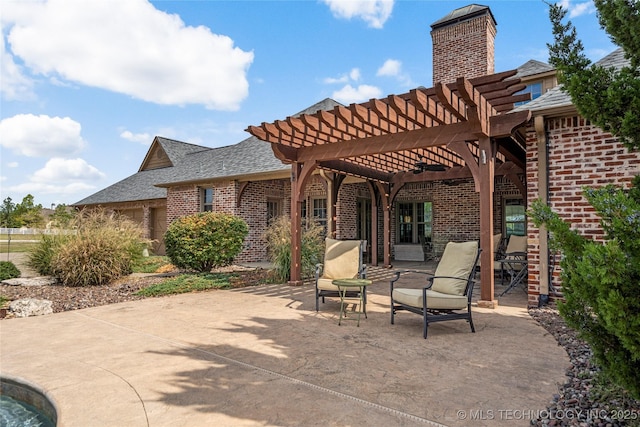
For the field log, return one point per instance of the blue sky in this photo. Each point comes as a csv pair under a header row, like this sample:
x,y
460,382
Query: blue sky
x,y
86,85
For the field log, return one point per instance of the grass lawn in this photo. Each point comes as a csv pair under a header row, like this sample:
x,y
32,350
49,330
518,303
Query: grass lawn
x,y
19,242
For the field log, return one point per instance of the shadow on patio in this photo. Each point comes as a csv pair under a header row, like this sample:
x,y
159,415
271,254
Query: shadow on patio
x,y
263,356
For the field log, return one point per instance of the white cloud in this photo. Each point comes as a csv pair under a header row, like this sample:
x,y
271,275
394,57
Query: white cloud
x,y
354,75
129,47
349,94
391,67
41,136
47,188
578,9
66,171
374,12
12,165
62,177
14,85
143,138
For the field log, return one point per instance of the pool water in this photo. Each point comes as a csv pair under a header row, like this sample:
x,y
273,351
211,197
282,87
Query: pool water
x,y
14,413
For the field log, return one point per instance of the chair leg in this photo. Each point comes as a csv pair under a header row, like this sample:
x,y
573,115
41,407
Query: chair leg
x,y
471,320
425,326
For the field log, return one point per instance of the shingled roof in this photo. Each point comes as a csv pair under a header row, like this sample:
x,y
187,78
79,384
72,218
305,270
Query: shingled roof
x,y
190,163
557,98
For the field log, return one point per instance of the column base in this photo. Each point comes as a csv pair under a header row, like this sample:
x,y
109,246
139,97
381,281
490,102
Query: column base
x,y
295,282
488,304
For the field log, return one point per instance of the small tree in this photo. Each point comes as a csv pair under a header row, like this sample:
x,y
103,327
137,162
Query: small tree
x,y
205,240
28,214
62,216
278,238
601,281
8,216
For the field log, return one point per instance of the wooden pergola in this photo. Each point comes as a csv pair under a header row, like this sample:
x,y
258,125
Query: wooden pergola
x,y
458,130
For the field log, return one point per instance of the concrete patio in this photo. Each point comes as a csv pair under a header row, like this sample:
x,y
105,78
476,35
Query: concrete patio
x,y
262,356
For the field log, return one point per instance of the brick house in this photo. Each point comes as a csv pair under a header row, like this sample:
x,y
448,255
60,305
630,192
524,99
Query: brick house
x,y
550,155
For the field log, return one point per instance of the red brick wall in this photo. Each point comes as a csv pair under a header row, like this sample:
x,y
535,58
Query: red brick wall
x,y
580,154
181,201
464,49
253,210
456,210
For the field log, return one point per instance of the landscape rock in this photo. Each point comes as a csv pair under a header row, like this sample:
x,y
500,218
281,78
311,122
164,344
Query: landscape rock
x,y
27,307
30,281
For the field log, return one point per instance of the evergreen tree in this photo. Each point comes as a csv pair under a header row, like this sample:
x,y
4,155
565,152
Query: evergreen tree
x,y
8,218
608,97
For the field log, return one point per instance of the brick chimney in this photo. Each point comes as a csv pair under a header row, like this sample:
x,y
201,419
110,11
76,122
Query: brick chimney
x,y
463,44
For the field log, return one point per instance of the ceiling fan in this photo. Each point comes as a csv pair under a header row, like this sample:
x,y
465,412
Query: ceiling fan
x,y
423,166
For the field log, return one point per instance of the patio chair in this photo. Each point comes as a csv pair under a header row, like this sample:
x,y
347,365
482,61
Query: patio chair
x,y
447,295
516,250
427,248
343,259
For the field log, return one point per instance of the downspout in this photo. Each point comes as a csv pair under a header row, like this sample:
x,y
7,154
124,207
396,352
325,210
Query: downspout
x,y
543,194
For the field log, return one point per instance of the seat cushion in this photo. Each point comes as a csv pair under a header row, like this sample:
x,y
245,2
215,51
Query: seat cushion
x,y
457,260
435,300
325,284
341,259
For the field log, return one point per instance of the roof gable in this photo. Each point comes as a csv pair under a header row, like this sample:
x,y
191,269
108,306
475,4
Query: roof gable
x,y
532,68
165,153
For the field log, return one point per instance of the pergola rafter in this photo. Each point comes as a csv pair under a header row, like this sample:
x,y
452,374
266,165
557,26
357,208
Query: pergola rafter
x,y
461,129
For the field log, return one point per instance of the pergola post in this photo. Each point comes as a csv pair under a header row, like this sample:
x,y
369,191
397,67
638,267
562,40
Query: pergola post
x,y
300,173
385,199
486,172
374,224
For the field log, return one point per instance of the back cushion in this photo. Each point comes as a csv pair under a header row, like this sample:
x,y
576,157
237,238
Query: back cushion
x,y
516,244
341,259
457,261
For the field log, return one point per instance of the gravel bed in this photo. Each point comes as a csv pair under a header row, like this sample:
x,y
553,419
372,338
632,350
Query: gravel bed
x,y
574,405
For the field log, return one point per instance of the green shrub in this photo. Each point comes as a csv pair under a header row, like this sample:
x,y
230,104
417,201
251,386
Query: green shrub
x,y
601,281
104,247
205,240
8,270
278,238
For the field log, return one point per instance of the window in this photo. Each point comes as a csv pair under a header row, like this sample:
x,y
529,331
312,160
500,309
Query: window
x,y
206,196
273,210
414,221
320,212
535,89
514,217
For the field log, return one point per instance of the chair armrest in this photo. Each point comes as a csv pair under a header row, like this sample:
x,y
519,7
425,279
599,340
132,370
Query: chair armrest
x,y
363,272
318,271
398,273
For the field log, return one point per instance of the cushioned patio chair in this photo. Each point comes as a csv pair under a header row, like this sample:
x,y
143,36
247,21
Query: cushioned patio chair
x,y
447,295
516,250
343,259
